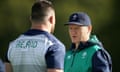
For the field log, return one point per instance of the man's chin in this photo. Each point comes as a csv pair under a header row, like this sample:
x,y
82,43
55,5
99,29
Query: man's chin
x,y
75,42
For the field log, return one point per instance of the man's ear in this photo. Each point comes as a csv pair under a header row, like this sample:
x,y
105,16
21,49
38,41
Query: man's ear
x,y
51,19
89,28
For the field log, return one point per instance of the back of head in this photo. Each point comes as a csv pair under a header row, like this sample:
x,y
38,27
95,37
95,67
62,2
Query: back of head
x,y
40,9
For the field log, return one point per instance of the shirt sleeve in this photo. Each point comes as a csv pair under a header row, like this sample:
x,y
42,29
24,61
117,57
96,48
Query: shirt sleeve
x,y
101,62
55,57
2,67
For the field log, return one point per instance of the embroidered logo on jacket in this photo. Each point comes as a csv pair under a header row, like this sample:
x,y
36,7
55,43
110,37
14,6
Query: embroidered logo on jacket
x,y
84,55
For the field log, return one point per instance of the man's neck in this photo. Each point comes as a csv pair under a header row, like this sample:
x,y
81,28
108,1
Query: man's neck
x,y
40,27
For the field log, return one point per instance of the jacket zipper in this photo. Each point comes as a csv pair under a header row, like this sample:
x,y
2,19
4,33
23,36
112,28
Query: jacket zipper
x,y
74,53
69,70
73,59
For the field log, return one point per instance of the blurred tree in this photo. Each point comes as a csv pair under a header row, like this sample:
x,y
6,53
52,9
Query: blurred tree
x,y
14,19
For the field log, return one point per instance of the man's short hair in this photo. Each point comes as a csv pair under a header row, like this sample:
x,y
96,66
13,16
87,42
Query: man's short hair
x,y
40,10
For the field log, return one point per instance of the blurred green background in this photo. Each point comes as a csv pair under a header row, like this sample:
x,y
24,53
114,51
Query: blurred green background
x,y
14,20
